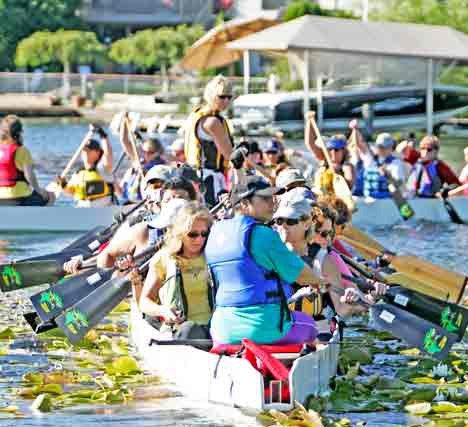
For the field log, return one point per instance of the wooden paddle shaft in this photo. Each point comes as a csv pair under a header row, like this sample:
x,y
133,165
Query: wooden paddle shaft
x,y
321,141
74,158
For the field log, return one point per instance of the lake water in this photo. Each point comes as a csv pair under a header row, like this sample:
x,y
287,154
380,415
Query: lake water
x,y
52,144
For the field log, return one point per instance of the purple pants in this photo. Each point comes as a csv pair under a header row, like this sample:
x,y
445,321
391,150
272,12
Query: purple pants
x,y
303,329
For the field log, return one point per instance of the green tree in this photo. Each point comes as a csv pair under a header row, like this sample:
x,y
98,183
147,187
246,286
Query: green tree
x,y
21,18
298,8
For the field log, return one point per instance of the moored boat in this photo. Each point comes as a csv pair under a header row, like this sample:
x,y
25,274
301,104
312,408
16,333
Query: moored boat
x,y
232,380
383,212
55,218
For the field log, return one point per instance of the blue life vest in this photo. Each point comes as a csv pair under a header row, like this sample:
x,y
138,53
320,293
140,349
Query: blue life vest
x,y
239,280
131,188
424,179
375,184
358,189
151,163
154,235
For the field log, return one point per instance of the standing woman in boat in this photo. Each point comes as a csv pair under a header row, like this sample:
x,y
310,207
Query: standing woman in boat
x,y
176,288
92,185
208,140
18,182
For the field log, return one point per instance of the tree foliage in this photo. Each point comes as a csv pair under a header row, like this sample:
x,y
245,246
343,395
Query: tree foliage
x,y
21,18
151,49
67,47
298,8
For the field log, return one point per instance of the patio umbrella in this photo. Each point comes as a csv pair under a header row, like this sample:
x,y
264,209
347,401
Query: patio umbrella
x,y
210,51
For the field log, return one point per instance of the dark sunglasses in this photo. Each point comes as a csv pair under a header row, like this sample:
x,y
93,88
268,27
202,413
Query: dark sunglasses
x,y
325,233
290,221
196,234
229,97
156,184
429,149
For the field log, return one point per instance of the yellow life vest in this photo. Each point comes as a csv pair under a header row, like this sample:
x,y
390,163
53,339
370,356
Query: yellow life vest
x,y
204,153
323,180
311,305
91,185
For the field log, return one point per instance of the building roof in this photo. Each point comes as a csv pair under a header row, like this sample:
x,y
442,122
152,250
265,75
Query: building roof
x,y
337,35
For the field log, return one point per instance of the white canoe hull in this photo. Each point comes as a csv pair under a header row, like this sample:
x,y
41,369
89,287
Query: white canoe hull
x,y
54,218
232,381
383,212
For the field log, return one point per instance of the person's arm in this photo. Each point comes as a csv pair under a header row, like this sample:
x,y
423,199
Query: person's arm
x,y
106,159
122,243
310,137
125,142
30,176
446,174
348,174
215,128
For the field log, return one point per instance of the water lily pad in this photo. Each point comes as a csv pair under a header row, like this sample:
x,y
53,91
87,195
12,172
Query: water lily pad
x,y
422,394
123,366
7,334
446,407
42,403
33,378
418,408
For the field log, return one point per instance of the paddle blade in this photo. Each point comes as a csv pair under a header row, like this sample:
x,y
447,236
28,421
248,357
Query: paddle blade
x,y
453,214
25,274
415,331
52,302
85,240
450,317
341,189
85,314
36,325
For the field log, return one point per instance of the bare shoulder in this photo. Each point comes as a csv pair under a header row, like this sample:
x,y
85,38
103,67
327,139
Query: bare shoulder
x,y
212,123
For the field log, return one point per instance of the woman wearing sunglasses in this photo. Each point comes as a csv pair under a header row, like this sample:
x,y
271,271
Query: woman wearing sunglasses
x,y
208,140
176,295
297,222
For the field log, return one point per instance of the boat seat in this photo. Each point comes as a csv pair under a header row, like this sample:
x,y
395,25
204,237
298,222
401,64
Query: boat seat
x,y
230,349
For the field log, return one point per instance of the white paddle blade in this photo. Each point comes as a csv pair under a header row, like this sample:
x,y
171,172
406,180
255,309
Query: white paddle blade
x,y
116,122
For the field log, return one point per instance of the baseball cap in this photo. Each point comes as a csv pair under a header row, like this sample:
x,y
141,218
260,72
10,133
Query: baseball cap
x,y
159,172
177,145
187,172
168,213
255,186
292,209
289,176
385,140
92,144
272,146
298,194
336,143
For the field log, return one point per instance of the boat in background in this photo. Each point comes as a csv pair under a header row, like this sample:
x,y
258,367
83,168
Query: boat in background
x,y
55,218
392,108
383,212
216,378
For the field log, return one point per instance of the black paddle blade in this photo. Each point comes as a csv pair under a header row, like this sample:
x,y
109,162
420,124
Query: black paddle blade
x,y
85,314
453,214
25,274
36,325
450,317
416,332
86,241
52,302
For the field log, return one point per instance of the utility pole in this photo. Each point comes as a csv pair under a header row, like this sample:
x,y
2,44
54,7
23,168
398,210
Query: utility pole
x,y
365,10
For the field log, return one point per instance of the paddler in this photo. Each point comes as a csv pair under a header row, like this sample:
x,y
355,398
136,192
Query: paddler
x,y
208,140
176,295
464,173
18,182
430,174
92,185
252,269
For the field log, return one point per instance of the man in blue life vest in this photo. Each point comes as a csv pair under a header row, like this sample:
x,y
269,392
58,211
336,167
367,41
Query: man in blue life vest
x,y
251,270
380,166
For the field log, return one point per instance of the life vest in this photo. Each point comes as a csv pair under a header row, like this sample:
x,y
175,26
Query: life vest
x,y
202,153
9,173
91,185
424,179
376,184
358,189
238,279
323,179
173,294
154,235
131,188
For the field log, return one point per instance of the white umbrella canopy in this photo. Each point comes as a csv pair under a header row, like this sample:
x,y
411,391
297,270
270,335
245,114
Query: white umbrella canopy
x,y
211,50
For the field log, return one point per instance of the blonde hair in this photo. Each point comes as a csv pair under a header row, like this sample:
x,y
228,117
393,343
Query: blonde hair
x,y
320,213
182,225
219,85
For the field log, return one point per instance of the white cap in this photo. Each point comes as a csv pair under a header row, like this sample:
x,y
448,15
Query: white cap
x,y
160,172
168,213
177,145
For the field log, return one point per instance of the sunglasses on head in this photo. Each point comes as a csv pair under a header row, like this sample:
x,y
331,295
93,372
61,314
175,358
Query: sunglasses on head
x,y
225,97
196,234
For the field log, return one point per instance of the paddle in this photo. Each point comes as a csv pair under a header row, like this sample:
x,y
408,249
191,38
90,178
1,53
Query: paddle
x,y
450,317
88,312
404,208
440,283
48,268
34,321
340,185
53,301
452,212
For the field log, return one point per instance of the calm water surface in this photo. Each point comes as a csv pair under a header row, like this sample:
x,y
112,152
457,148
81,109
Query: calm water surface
x,y
51,144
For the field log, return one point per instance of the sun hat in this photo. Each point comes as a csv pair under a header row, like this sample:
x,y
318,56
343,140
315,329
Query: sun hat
x,y
292,209
272,146
177,145
385,140
159,172
336,142
298,194
255,186
168,213
289,176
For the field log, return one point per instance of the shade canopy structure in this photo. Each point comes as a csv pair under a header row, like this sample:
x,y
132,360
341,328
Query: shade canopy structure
x,y
325,47
210,51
